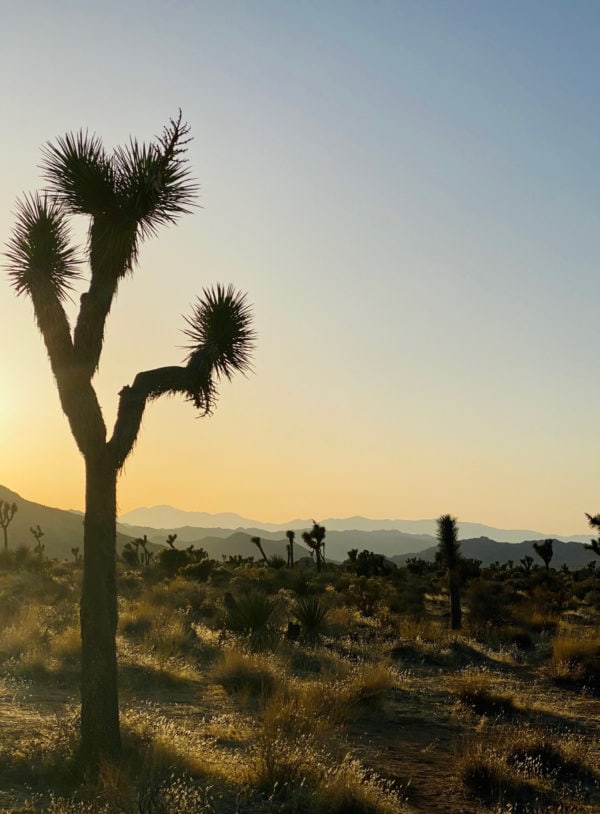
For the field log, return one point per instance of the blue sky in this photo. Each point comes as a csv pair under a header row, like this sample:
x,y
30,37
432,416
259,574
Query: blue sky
x,y
408,191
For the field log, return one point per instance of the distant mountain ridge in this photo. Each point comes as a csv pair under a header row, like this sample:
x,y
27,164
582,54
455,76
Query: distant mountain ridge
x,y
163,517
63,530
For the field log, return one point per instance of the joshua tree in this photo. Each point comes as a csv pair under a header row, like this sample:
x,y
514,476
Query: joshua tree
x,y
593,545
291,535
545,551
38,534
315,540
450,557
75,553
527,563
7,512
126,196
257,542
147,555
171,540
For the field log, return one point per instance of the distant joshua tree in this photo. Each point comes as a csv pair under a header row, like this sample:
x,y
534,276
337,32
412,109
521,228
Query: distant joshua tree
x,y
315,540
450,556
171,540
38,534
527,563
291,535
545,551
257,542
7,512
594,545
75,553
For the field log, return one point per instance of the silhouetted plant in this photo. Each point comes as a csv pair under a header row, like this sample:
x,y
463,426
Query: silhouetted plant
x,y
251,614
146,556
545,551
171,540
310,612
315,540
7,512
75,553
450,557
291,535
527,563
257,542
594,545
37,533
126,196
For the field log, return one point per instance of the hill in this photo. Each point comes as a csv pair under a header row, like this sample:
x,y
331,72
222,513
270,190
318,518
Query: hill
x,y
63,530
163,517
488,551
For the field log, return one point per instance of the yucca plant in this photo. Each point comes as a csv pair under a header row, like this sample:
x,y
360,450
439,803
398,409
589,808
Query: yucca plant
x,y
252,615
310,613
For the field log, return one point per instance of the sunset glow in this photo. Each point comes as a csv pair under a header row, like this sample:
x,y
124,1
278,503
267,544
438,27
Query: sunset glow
x,y
408,194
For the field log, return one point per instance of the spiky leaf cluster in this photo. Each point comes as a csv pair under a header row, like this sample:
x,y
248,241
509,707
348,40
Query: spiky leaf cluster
x,y
128,194
220,330
39,251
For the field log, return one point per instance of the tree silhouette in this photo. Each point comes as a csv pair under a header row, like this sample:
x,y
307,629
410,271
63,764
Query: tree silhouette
x,y
257,542
527,563
38,534
450,557
7,512
126,196
315,540
291,535
593,545
545,551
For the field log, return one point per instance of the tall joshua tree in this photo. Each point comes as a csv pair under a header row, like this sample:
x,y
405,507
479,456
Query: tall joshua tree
x,y
449,555
291,535
7,512
126,196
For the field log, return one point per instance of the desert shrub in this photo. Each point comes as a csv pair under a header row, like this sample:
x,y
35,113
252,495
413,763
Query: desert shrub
x,y
488,604
480,700
310,612
576,662
245,674
252,615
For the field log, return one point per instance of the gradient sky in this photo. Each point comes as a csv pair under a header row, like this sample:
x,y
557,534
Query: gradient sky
x,y
410,194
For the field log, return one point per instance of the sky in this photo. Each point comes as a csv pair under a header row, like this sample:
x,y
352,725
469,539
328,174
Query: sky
x,y
409,192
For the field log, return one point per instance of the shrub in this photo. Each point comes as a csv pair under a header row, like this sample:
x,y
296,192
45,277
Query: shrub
x,y
310,612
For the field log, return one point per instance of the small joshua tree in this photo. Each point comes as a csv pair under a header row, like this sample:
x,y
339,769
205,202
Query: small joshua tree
x,y
450,557
315,540
7,512
527,563
75,553
257,542
38,534
171,540
545,551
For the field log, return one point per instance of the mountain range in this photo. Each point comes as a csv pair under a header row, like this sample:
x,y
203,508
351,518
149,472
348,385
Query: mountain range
x,y
224,534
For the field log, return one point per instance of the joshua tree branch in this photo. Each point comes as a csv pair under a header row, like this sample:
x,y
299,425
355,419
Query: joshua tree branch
x,y
147,385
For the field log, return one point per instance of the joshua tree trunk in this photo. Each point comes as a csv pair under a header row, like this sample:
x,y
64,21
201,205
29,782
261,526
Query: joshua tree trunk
x,y
100,738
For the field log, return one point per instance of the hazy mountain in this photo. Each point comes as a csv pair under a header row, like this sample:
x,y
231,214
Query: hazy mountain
x,y
337,543
63,530
168,517
488,551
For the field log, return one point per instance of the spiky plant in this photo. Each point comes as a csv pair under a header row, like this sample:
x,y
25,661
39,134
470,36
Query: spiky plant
x,y
449,555
126,195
